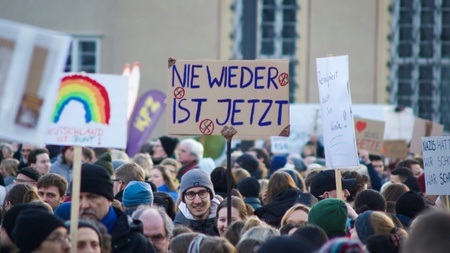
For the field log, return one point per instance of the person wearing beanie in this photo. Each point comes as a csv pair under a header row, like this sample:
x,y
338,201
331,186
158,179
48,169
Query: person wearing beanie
x,y
164,148
39,231
250,164
126,173
96,196
408,206
136,193
189,154
63,164
323,185
249,188
28,175
331,215
105,161
198,205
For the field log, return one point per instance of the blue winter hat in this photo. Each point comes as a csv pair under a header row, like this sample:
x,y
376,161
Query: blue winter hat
x,y
137,193
363,225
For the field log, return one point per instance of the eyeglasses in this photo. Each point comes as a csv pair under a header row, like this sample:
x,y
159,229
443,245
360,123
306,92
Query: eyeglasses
x,y
156,238
24,181
60,239
191,195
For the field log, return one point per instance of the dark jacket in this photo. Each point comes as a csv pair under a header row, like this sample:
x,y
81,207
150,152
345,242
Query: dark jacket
x,y
126,235
253,202
186,168
202,226
273,212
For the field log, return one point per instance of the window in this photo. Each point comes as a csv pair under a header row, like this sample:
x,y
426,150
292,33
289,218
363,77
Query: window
x,y
420,62
84,55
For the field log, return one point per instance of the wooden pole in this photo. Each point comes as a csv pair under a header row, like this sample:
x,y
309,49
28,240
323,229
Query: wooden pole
x,y
339,193
75,196
228,133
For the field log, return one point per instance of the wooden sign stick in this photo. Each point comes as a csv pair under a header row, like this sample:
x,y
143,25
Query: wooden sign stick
x,y
339,193
75,196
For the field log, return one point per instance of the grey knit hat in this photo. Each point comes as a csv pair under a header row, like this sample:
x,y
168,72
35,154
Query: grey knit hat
x,y
196,178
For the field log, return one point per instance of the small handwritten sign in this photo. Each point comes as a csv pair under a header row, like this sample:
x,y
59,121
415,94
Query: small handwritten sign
x,y
423,128
251,96
369,135
337,116
91,110
436,161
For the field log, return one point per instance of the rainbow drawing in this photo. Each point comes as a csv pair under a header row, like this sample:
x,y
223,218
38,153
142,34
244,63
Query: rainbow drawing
x,y
87,91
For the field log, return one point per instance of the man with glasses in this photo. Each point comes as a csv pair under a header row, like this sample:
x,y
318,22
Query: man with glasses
x,y
158,226
197,203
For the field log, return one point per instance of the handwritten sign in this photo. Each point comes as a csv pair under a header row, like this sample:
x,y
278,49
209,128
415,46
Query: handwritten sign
x,y
205,96
436,161
395,149
369,135
90,111
336,105
422,128
31,62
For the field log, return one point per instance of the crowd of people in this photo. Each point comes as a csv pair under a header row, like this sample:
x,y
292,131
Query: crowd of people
x,y
169,198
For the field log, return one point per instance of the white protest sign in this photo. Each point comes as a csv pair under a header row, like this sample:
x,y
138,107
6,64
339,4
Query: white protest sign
x,y
337,118
31,62
251,96
436,161
91,110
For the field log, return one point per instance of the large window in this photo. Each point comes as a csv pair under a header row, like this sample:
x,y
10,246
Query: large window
x,y
84,55
420,53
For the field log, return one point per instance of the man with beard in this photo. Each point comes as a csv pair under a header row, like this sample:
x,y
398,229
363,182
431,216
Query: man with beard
x,y
198,205
96,196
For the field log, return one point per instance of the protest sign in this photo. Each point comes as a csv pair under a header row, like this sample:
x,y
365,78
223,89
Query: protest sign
x,y
134,75
423,128
436,161
250,96
31,62
144,118
395,149
337,117
369,135
90,111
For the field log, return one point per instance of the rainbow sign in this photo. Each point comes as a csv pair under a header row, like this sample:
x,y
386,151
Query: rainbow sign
x,y
87,91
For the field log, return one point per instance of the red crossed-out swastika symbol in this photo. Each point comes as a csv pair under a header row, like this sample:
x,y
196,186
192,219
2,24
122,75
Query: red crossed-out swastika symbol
x,y
283,79
179,93
206,127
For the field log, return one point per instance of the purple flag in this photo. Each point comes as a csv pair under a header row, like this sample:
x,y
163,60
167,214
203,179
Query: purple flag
x,y
144,118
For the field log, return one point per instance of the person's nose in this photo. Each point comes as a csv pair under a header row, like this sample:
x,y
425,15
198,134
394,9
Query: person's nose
x,y
84,204
197,199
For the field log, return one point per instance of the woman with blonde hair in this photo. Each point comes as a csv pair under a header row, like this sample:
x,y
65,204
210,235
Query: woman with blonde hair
x,y
162,178
375,223
297,214
9,168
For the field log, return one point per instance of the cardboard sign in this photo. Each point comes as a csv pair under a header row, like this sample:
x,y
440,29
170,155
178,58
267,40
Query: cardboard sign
x,y
337,116
395,149
369,135
251,96
90,111
423,128
31,63
436,161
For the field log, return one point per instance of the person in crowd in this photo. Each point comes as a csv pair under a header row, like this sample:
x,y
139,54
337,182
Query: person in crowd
x,y
331,215
198,205
63,164
38,231
172,165
234,232
96,196
314,234
105,160
219,180
126,173
240,174
391,193
136,194
6,150
164,147
249,163
164,181
145,161
370,200
360,185
40,159
88,155
204,244
52,189
190,152
250,188
20,193
342,245
408,206
248,245
28,175
280,196
378,164
263,157
158,227
297,214
411,164
92,237
9,169
384,244
323,185
164,200
405,176
298,165
285,244
261,232
372,223
24,153
238,212
181,242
